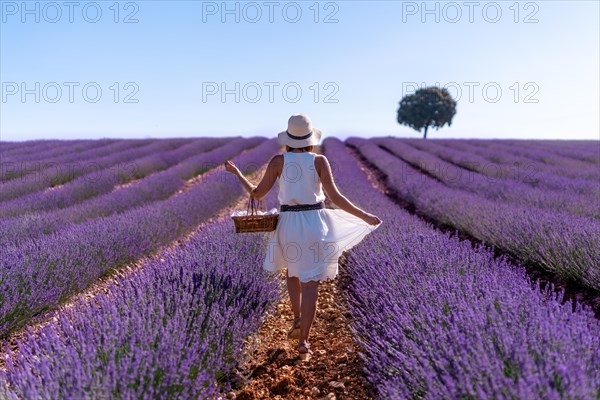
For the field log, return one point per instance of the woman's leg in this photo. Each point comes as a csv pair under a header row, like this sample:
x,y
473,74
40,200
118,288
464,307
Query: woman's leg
x,y
310,291
295,292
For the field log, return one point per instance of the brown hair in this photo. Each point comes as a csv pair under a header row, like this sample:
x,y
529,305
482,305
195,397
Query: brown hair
x,y
303,149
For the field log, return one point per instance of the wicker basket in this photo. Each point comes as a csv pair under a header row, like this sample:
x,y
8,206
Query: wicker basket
x,y
254,222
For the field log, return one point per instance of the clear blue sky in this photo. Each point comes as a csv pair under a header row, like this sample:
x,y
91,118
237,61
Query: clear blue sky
x,y
181,51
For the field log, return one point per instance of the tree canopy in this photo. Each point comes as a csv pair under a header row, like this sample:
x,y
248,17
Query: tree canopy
x,y
427,107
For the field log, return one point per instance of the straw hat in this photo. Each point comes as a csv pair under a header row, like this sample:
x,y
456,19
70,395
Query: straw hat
x,y
300,132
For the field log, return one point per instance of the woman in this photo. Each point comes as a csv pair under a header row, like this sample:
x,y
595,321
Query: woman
x,y
309,238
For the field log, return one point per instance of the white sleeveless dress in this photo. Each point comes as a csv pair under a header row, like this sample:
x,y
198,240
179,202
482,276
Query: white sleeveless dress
x,y
309,243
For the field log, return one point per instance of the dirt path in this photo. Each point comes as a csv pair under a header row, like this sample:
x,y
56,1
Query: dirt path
x,y
272,368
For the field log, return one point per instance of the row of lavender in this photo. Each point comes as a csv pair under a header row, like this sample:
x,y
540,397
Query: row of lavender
x,y
564,243
32,151
509,190
499,165
44,176
40,146
39,274
437,318
11,152
534,160
174,329
36,150
566,153
124,167
67,160
153,187
54,170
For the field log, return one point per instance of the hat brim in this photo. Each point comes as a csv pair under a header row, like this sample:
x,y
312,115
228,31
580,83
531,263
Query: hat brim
x,y
313,140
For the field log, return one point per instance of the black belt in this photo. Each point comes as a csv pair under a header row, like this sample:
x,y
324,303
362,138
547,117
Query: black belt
x,y
302,207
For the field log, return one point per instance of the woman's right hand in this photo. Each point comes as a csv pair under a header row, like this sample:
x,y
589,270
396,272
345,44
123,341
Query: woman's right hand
x,y
371,219
230,167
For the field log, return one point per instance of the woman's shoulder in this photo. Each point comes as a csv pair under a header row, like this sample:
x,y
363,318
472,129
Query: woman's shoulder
x,y
320,157
277,159
321,163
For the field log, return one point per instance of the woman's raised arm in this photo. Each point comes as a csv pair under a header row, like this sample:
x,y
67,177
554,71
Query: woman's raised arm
x,y
258,192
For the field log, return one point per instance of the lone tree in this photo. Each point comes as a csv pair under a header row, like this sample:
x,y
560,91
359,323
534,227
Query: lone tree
x,y
427,107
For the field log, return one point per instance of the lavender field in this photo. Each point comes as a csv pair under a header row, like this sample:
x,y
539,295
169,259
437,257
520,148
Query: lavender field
x,y
444,298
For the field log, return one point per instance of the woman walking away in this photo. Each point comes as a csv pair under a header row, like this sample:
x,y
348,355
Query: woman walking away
x,y
309,238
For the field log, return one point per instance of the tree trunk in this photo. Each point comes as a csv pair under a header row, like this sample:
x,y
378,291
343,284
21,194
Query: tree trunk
x,y
425,134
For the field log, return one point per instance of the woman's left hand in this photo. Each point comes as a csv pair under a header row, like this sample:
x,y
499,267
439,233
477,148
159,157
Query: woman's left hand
x,y
230,167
